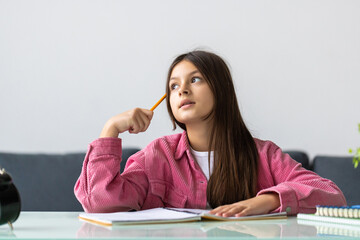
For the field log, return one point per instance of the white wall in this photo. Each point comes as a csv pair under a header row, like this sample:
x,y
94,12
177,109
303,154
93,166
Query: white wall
x,y
67,66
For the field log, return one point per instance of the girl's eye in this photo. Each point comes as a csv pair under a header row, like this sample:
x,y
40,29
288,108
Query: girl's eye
x,y
174,86
195,79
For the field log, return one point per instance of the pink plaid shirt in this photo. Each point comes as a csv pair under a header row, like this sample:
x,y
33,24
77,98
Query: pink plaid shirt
x,y
166,174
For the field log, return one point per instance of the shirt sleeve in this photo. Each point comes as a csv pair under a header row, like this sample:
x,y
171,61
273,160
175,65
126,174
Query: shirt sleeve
x,y
299,190
101,187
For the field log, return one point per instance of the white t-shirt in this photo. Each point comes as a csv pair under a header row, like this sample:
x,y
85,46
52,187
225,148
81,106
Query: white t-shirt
x,y
202,159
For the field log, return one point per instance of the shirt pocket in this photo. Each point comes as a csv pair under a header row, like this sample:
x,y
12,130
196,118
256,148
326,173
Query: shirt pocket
x,y
168,195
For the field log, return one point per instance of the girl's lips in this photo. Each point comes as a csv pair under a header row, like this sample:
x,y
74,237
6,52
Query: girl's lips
x,y
185,103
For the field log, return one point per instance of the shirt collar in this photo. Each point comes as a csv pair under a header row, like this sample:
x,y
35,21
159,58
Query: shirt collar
x,y
183,146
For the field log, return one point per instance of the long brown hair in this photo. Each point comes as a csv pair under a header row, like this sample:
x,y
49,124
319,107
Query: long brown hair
x,y
234,177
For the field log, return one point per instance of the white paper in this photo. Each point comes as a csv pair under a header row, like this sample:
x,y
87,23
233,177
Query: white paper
x,y
155,214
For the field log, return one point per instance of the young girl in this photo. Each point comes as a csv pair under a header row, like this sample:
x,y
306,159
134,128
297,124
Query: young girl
x,y
215,163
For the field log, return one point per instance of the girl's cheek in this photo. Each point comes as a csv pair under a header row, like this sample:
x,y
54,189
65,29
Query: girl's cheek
x,y
172,103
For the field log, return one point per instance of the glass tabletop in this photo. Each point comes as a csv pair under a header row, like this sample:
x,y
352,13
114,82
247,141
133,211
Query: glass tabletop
x,y
66,225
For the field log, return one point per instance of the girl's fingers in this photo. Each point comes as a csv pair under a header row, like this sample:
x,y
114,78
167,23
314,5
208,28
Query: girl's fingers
x,y
219,210
261,204
244,212
132,128
140,120
230,210
134,121
147,116
233,210
134,125
148,113
145,122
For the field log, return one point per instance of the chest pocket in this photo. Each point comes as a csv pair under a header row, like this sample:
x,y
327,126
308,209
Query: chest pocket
x,y
169,196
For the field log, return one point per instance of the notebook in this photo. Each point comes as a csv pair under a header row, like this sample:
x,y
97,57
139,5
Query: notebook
x,y
332,211
332,214
166,215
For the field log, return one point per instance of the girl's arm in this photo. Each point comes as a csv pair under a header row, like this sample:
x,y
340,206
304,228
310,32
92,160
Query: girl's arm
x,y
299,190
100,187
284,187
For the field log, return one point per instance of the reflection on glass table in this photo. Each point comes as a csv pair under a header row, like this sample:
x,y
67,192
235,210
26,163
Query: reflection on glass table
x,y
66,225
332,229
204,229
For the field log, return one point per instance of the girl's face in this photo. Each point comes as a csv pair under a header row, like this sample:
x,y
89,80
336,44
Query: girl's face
x,y
191,98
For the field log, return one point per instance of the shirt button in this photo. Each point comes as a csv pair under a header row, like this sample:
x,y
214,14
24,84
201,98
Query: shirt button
x,y
201,182
288,210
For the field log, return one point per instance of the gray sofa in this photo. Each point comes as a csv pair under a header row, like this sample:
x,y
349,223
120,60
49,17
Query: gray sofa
x,y
342,172
46,181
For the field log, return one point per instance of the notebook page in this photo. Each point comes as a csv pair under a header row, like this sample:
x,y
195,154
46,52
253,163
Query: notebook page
x,y
155,214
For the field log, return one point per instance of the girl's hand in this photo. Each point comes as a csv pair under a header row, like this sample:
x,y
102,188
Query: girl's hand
x,y
261,204
135,121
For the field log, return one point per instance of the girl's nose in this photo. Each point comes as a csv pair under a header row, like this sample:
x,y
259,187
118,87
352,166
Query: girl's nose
x,y
183,90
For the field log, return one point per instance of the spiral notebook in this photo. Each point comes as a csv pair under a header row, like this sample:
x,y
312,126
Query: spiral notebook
x,y
333,211
332,214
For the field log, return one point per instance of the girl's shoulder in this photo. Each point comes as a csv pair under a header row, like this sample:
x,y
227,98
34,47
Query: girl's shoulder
x,y
174,143
265,145
272,154
168,139
267,149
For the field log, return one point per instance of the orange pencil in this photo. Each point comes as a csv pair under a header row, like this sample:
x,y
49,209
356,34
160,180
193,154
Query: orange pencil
x,y
156,104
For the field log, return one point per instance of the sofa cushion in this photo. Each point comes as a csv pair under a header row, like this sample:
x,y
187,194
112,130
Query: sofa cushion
x,y
46,181
342,172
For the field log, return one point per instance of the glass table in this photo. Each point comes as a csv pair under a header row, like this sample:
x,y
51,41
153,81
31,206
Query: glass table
x,y
66,225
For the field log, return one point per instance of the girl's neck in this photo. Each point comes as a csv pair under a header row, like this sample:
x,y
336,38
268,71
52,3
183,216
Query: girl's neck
x,y
199,136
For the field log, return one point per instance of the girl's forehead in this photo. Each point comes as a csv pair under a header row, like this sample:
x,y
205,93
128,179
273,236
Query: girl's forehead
x,y
182,68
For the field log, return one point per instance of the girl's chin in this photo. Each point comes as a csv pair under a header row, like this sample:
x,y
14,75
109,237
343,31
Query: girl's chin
x,y
189,121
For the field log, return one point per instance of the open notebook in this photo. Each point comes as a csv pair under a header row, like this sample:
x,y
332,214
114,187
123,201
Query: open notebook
x,y
166,215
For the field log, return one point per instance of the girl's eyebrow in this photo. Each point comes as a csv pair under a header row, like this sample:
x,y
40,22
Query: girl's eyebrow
x,y
191,73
